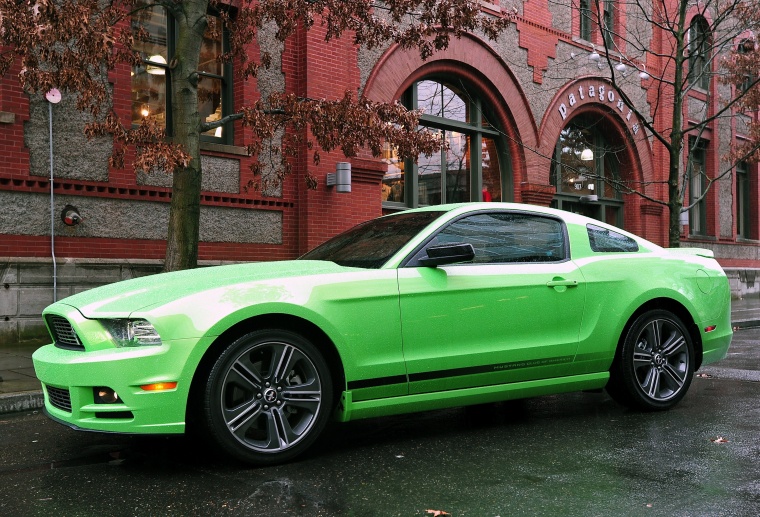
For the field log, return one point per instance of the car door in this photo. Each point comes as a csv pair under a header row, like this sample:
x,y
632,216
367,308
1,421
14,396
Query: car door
x,y
511,314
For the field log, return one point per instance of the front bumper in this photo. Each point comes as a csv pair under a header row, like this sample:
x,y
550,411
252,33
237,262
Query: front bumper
x,y
69,379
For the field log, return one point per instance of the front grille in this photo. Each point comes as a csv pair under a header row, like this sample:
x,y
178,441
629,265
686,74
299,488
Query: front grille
x,y
59,398
64,334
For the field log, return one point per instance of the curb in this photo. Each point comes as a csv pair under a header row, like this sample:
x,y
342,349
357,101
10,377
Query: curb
x,y
748,324
25,401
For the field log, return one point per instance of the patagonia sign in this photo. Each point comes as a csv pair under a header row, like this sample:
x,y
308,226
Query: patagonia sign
x,y
601,93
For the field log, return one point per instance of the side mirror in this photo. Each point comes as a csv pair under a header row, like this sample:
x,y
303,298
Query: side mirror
x,y
447,254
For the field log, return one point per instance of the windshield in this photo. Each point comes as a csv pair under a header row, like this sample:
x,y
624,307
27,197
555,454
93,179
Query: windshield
x,y
371,244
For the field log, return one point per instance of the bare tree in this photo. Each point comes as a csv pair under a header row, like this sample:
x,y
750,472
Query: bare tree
x,y
72,44
690,41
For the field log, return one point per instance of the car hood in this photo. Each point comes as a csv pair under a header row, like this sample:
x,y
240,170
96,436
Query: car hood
x,y
122,298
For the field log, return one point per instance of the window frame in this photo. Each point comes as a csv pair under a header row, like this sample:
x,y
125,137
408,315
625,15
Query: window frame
x,y
743,201
584,19
698,212
604,206
744,47
700,68
563,238
474,131
608,23
226,79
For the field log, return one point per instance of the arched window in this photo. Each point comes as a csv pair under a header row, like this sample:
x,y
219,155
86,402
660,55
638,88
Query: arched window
x,y
699,53
474,167
585,169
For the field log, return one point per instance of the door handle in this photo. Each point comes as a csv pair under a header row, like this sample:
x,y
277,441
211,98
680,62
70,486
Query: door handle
x,y
561,282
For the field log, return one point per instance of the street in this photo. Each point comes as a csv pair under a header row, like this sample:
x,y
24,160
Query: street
x,y
578,454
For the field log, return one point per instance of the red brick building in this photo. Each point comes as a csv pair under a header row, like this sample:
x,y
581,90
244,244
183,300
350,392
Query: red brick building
x,y
530,117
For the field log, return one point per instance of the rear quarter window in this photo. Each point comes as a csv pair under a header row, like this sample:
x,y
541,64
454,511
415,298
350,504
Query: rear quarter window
x,y
608,241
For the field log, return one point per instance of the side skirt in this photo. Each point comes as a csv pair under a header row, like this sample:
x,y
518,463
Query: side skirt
x,y
350,410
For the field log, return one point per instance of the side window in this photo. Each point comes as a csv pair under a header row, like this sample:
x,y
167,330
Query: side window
x,y
604,240
502,237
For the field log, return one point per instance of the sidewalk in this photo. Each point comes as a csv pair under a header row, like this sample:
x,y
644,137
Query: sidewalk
x,y
20,390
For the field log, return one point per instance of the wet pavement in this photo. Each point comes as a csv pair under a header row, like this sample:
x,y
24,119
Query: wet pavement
x,y
572,454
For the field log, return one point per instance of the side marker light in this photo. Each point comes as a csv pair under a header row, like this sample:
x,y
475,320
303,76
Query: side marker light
x,y
710,328
159,386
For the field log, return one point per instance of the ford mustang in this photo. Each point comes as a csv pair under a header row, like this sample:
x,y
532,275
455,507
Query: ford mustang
x,y
429,308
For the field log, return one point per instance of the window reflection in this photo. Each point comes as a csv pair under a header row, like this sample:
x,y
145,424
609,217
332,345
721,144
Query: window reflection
x,y
470,155
576,176
585,171
150,78
440,100
210,88
491,171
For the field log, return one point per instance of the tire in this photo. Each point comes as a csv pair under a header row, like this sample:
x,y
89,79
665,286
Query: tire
x,y
268,397
654,363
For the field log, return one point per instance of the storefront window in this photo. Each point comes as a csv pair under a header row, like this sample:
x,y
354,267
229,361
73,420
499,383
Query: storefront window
x,y
585,172
467,169
150,79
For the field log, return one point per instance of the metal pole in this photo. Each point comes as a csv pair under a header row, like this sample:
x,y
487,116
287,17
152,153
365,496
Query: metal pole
x,y
52,207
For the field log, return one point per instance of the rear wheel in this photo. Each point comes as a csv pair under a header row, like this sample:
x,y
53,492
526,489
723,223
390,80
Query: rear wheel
x,y
654,364
267,397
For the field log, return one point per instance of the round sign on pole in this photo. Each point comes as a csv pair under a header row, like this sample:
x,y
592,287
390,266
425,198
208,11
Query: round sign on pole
x,y
53,96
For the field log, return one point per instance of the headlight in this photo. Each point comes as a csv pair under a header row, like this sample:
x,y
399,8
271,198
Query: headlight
x,y
132,332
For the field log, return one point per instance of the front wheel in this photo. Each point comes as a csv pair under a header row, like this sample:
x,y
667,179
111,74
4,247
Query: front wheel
x,y
654,364
267,397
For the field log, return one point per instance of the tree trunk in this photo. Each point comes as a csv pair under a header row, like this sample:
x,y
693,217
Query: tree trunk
x,y
675,203
184,213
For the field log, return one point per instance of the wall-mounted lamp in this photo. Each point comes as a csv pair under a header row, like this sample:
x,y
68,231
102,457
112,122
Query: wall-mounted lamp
x,y
594,56
643,75
341,178
70,216
587,155
620,67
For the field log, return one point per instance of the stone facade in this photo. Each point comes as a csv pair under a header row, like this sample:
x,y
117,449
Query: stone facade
x,y
26,288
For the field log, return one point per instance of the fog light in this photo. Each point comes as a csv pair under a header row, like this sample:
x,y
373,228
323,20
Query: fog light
x,y
104,395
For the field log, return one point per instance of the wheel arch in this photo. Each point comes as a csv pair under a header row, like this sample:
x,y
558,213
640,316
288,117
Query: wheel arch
x,y
287,322
677,308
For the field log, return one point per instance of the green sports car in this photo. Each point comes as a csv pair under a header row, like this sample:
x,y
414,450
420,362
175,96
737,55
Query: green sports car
x,y
429,308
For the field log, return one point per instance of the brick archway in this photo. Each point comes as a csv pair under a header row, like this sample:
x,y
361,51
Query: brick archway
x,y
593,95
398,69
